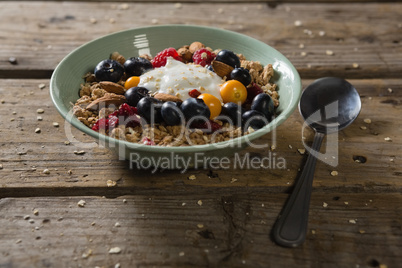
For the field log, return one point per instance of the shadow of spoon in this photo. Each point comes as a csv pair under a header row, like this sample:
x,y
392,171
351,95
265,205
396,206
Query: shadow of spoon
x,y
328,105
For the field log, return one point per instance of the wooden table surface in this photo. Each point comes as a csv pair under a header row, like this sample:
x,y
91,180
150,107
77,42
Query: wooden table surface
x,y
222,218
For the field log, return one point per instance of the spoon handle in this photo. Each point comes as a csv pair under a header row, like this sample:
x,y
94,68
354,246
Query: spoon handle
x,y
291,225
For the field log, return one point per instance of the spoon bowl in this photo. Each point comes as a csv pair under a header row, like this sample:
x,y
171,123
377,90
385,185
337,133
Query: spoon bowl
x,y
328,105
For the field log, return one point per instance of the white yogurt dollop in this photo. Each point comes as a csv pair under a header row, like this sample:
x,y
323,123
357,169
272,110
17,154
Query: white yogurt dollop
x,y
178,79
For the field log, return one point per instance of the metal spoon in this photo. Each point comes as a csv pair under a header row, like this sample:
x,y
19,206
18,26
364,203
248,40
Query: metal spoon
x,y
328,105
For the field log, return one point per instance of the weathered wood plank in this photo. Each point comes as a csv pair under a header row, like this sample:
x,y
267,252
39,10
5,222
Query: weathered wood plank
x,y
24,154
40,34
345,230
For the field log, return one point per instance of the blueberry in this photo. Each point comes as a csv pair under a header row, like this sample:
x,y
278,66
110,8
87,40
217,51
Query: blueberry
x,y
135,94
195,110
232,113
150,109
242,75
264,104
254,119
109,70
136,66
172,114
228,57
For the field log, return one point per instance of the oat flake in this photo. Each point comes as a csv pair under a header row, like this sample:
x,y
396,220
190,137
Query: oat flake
x,y
367,120
334,173
199,202
192,177
46,171
40,111
115,250
81,203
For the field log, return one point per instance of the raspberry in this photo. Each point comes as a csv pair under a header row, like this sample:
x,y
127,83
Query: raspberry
x,y
194,93
127,113
207,126
253,91
161,57
147,141
203,57
101,124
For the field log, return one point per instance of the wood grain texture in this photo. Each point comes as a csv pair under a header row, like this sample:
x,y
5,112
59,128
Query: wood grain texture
x,y
346,230
39,34
26,154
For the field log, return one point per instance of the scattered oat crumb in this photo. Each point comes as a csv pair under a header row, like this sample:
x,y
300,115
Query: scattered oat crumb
x,y
79,152
367,120
14,112
301,45
178,5
117,265
124,200
115,250
154,21
112,20
31,221
93,20
18,241
199,202
262,205
389,90
111,183
37,130
46,171
334,173
200,225
233,180
273,147
183,204
39,118
1,166
93,223
55,124
36,212
81,203
27,217
123,6
301,151
87,254
298,23
363,127
40,111
313,231
290,146
303,53
2,101
387,139
346,203
41,86
220,10
69,172
67,143
391,160
117,224
329,52
324,204
362,231
355,65
192,177
352,221
321,33
181,254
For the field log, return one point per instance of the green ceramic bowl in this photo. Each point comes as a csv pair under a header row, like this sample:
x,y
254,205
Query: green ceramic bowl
x,y
67,77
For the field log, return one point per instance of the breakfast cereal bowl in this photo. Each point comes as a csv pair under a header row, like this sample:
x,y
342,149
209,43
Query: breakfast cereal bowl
x,y
68,76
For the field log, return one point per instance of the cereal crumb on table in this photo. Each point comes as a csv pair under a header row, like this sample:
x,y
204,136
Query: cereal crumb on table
x,y
192,177
115,250
353,221
81,203
111,183
325,204
46,171
367,120
199,202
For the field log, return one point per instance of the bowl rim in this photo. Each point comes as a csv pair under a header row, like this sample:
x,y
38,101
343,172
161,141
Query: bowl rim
x,y
239,141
